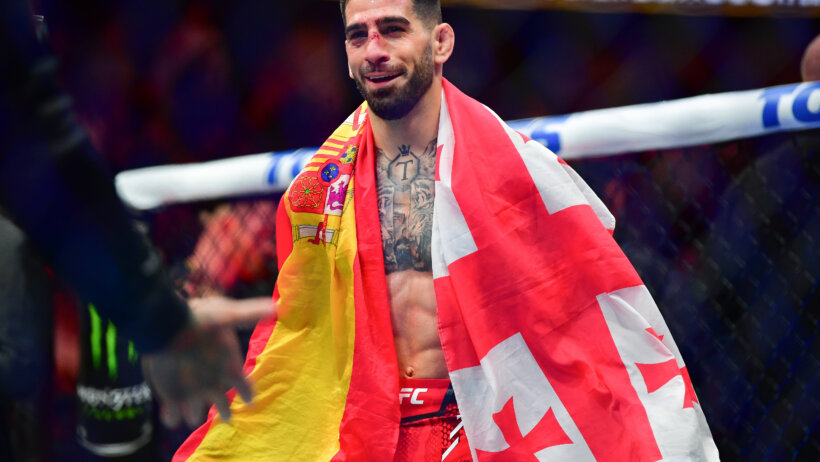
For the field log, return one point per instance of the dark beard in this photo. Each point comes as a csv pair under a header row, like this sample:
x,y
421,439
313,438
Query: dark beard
x,y
392,104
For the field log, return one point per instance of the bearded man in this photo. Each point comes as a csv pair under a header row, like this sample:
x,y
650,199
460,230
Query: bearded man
x,y
450,290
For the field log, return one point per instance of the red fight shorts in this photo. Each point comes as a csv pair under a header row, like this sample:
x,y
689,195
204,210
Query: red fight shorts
x,y
431,428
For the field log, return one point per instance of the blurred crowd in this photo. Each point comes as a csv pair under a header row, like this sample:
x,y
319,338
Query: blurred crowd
x,y
181,81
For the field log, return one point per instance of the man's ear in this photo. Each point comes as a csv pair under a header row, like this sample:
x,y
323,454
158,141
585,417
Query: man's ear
x,y
443,41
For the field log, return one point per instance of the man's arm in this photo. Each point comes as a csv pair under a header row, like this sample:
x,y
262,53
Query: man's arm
x,y
185,381
54,185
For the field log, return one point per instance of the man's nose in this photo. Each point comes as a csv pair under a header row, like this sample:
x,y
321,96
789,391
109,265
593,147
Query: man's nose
x,y
376,49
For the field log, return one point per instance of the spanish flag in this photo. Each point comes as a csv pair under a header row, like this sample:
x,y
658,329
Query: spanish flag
x,y
555,348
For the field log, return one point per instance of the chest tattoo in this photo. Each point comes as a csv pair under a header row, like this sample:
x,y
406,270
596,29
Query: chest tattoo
x,y
406,182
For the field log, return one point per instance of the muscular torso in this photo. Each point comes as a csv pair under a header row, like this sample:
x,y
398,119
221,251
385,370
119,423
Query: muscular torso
x,y
405,180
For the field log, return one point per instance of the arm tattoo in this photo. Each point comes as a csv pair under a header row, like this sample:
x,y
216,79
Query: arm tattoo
x,y
406,182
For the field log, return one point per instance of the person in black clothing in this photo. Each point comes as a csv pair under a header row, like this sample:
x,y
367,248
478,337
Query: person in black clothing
x,y
55,188
25,347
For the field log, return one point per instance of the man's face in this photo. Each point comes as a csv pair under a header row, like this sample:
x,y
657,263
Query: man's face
x,y
390,55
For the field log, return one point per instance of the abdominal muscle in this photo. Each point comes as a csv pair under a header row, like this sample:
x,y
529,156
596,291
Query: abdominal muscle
x,y
415,328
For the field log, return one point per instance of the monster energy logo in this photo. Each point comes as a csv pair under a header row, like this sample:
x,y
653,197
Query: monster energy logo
x,y
116,404
110,344
114,398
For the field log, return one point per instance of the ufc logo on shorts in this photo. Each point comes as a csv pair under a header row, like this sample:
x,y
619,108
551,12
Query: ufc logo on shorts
x,y
412,393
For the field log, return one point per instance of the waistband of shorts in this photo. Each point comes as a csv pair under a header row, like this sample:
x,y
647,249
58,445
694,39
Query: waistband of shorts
x,y
424,398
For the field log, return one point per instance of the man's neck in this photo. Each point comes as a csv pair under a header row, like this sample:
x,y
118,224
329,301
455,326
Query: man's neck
x,y
417,128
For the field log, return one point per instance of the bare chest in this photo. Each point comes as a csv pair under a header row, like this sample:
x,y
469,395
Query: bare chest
x,y
406,180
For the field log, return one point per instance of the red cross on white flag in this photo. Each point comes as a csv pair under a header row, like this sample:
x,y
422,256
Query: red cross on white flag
x,y
516,413
661,382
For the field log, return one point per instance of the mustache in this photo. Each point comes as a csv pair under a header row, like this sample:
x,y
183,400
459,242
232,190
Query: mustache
x,y
369,68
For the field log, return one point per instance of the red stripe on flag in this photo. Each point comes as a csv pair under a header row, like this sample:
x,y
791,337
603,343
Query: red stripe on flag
x,y
528,285
459,351
330,147
193,441
370,424
544,272
319,159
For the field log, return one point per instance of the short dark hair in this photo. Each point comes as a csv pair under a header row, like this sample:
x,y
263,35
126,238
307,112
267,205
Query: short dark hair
x,y
429,11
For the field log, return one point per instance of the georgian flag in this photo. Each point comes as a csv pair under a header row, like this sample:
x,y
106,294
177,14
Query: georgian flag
x,y
555,348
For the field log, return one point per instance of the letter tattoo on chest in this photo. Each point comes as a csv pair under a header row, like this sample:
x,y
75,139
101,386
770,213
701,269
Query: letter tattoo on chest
x,y
406,182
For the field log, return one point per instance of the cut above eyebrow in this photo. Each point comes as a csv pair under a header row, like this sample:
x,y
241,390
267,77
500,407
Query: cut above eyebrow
x,y
379,22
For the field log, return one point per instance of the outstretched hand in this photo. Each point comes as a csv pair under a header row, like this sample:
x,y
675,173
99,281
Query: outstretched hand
x,y
203,361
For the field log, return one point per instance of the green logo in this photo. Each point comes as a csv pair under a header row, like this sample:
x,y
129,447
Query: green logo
x,y
110,344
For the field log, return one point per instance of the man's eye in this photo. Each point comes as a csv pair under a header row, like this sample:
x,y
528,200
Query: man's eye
x,y
356,35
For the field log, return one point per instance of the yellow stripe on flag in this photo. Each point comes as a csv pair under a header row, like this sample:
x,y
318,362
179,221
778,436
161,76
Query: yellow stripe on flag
x,y
302,376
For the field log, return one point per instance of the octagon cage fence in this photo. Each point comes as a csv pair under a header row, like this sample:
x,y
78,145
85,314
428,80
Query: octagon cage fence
x,y
720,217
